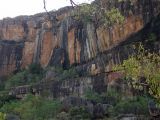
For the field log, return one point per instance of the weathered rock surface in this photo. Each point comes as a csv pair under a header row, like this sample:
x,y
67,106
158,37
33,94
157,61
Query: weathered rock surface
x,y
64,88
10,56
64,41
96,110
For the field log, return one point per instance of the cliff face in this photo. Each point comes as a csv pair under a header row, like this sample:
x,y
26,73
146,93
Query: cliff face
x,y
65,42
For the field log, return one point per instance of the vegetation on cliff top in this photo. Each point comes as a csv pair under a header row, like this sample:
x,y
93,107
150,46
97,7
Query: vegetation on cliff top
x,y
95,13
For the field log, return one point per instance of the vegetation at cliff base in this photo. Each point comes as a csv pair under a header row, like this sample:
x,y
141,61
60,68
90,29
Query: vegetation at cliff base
x,y
119,103
29,76
32,108
2,116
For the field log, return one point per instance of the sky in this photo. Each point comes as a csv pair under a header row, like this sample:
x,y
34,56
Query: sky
x,y
13,8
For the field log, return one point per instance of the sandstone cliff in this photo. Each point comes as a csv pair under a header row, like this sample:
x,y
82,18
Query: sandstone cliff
x,y
65,42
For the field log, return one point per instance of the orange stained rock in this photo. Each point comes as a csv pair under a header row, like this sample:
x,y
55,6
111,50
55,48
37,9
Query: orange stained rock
x,y
47,47
71,46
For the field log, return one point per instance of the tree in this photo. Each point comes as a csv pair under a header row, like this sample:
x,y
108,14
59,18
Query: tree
x,y
71,1
44,6
143,71
95,13
2,116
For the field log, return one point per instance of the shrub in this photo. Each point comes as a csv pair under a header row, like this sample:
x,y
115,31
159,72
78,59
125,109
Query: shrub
x,y
16,80
4,97
63,116
79,113
143,65
119,104
93,96
2,84
112,96
33,108
113,16
138,106
54,69
2,116
35,69
85,13
67,74
25,77
93,13
151,38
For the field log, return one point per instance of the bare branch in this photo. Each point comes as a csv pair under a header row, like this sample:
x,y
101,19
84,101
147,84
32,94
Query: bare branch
x,y
44,6
73,3
44,3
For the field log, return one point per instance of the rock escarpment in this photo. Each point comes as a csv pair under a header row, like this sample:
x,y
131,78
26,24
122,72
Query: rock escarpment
x,y
65,42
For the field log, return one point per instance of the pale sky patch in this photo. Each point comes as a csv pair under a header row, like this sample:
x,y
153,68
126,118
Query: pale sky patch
x,y
13,8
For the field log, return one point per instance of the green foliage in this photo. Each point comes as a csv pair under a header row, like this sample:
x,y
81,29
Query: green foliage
x,y
138,106
91,95
113,16
8,107
112,96
68,74
4,97
2,116
25,77
85,12
146,65
35,69
79,113
119,104
2,86
55,69
63,116
94,13
33,108
152,37
16,80
64,74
